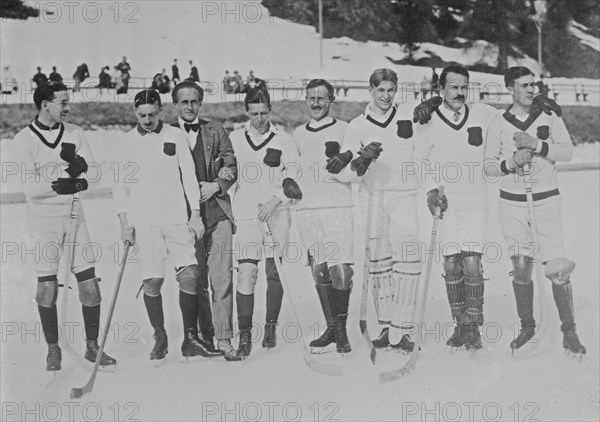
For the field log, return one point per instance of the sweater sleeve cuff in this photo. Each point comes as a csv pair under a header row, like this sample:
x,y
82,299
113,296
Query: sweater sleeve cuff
x,y
504,168
544,149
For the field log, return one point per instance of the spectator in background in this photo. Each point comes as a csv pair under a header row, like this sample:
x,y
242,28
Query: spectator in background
x,y
226,82
238,83
115,79
39,78
81,73
124,68
175,71
55,76
250,79
8,84
160,82
104,78
194,75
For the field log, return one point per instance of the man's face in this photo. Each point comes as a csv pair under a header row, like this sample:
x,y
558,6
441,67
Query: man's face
x,y
57,109
188,103
319,102
456,91
259,116
523,91
148,116
383,95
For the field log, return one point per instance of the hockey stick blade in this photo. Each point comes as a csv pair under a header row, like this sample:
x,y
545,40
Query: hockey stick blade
x,y
323,368
79,392
362,323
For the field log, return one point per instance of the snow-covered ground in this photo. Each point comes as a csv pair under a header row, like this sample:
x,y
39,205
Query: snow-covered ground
x,y
276,385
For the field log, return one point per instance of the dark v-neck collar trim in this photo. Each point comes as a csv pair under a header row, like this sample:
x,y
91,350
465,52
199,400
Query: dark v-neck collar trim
x,y
386,123
61,131
317,129
449,123
513,120
257,147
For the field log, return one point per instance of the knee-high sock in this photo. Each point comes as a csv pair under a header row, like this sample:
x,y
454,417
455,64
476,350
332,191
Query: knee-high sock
x,y
155,310
91,320
188,303
245,309
49,319
274,291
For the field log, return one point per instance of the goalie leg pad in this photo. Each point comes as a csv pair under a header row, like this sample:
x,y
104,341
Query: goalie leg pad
x,y
455,285
379,256
474,287
89,292
188,278
406,275
152,286
47,291
341,276
558,270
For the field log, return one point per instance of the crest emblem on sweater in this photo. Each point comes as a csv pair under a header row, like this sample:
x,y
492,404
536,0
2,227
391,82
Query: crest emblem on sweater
x,y
405,129
331,148
475,136
543,132
169,148
272,157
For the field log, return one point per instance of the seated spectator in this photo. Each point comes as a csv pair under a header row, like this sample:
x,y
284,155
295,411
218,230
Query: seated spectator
x,y
39,78
81,73
160,82
55,76
238,83
104,78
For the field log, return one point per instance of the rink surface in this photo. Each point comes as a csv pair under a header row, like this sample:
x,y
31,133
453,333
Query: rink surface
x,y
545,385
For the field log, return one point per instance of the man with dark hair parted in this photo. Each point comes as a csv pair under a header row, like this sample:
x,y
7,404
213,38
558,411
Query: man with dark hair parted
x,y
267,164
324,214
522,136
52,149
153,215
216,171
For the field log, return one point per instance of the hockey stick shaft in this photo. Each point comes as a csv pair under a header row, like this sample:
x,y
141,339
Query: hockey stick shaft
x,y
422,300
79,392
308,359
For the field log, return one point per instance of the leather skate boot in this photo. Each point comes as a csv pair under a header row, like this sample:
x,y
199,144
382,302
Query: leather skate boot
x,y
328,336
405,344
54,357
473,337
525,334
563,297
228,350
572,344
383,340
91,354
193,346
161,344
457,339
341,336
523,289
270,337
245,343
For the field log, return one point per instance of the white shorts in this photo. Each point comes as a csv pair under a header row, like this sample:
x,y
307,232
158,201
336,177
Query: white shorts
x,y
327,234
393,215
157,243
514,220
49,234
249,241
463,230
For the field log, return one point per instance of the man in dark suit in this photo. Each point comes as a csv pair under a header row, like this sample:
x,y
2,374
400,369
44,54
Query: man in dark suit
x,y
216,170
39,78
194,75
175,71
55,76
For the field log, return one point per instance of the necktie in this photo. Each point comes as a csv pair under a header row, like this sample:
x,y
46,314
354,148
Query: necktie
x,y
194,127
456,116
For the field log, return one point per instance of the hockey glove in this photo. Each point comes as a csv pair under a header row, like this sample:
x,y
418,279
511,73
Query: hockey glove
x,y
371,151
434,201
361,164
337,163
291,188
77,166
543,103
68,186
423,111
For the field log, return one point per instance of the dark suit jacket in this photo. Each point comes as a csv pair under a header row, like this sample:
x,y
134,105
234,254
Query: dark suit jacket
x,y
218,152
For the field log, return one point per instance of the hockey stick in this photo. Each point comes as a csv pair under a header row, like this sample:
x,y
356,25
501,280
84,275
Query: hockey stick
x,y
422,301
364,296
539,270
79,392
309,360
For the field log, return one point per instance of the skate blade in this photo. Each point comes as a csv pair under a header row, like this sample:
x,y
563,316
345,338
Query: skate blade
x,y
455,350
322,350
200,359
575,356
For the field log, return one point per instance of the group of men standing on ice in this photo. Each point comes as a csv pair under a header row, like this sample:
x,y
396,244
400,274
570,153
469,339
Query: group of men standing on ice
x,y
180,209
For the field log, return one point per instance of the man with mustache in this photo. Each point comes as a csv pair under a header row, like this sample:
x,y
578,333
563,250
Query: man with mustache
x,y
450,152
525,136
324,214
216,171
381,144
52,149
267,160
152,213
